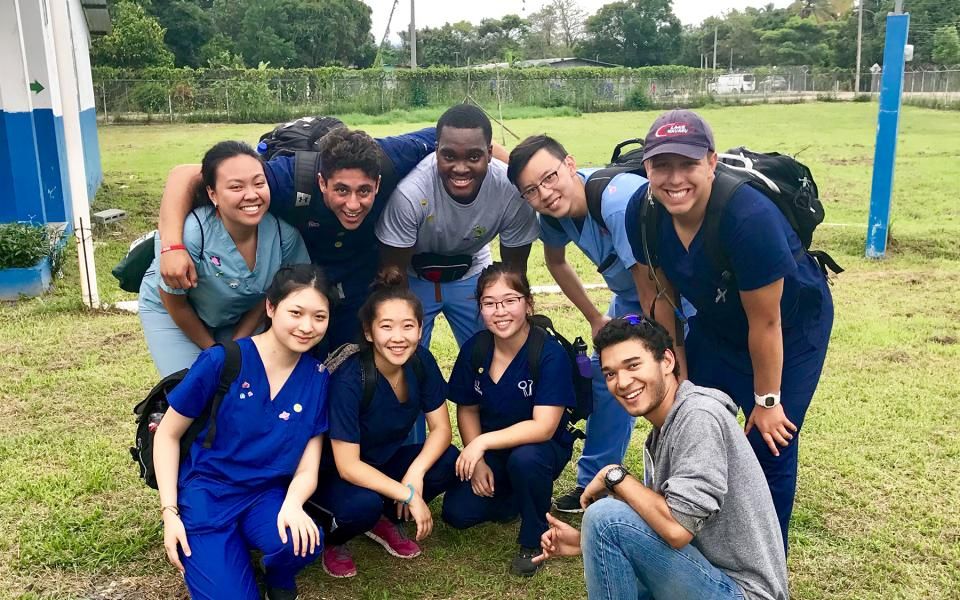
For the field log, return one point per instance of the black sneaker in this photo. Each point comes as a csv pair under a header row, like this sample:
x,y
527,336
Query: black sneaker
x,y
523,564
569,502
280,594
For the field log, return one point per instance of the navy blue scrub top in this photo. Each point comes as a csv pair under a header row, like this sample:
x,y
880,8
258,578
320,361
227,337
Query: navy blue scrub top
x,y
761,248
383,426
348,257
259,442
511,400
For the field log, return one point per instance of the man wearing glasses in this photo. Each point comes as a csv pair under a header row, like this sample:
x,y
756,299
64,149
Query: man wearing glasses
x,y
549,181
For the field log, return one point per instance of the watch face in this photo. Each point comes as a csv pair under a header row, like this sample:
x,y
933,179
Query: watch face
x,y
615,475
769,401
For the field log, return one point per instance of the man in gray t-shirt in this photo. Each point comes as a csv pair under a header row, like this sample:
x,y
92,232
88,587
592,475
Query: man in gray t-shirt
x,y
700,523
441,218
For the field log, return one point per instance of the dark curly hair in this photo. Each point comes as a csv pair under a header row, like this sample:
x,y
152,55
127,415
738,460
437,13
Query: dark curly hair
x,y
349,149
466,116
651,334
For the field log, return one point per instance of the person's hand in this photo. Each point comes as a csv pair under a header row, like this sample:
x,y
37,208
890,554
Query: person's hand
x,y
773,425
303,531
482,480
597,324
178,270
421,515
414,478
559,540
469,457
596,489
174,535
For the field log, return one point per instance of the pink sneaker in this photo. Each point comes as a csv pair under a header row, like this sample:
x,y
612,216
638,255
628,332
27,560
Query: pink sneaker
x,y
392,537
338,562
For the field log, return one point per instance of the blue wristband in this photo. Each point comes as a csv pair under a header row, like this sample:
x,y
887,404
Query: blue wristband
x,y
412,492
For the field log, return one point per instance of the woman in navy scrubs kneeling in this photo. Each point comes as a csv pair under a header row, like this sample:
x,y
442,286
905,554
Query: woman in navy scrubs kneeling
x,y
514,432
378,481
247,490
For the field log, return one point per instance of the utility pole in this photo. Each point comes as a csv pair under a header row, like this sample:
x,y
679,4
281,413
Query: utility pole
x,y
714,49
731,59
856,83
413,36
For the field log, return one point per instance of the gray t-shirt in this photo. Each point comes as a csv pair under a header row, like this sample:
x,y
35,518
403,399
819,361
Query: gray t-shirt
x,y
421,214
701,462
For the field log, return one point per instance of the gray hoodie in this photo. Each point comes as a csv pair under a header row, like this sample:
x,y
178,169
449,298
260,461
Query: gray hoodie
x,y
703,465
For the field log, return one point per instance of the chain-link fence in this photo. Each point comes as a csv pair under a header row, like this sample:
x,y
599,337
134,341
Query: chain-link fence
x,y
240,100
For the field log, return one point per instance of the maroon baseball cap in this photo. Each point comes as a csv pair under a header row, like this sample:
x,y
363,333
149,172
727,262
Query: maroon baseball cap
x,y
680,132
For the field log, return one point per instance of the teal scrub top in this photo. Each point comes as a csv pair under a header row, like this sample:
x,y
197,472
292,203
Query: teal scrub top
x,y
226,288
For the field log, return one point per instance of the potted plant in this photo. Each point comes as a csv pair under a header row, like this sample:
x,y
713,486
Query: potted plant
x,y
30,254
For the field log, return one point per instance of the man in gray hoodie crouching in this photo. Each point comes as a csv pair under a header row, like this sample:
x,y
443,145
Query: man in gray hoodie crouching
x,y
700,522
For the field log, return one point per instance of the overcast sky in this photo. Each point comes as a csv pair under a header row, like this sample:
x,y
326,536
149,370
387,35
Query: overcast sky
x,y
434,13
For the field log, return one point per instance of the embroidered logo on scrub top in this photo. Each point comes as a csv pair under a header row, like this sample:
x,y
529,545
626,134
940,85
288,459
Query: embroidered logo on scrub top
x,y
233,284
526,386
245,385
215,260
721,296
476,386
284,415
297,408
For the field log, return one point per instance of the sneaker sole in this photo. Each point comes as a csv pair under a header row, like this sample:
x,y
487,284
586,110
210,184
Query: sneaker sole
x,y
569,511
327,571
524,573
387,547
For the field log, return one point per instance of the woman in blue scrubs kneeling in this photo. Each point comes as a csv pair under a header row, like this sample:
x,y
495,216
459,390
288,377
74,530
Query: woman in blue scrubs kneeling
x,y
247,490
236,246
514,431
379,481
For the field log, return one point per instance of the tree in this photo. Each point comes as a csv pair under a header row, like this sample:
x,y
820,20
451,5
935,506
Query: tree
x,y
570,18
946,46
543,36
633,33
135,41
188,28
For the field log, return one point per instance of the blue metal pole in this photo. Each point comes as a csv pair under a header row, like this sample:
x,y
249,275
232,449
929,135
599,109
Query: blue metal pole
x,y
888,121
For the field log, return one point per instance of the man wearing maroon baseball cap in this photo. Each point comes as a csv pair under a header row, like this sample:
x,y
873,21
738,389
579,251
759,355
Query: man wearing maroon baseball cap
x,y
764,311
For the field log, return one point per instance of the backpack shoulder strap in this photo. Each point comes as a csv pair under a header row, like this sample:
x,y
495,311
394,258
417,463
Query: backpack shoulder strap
x,y
229,372
594,187
368,379
306,165
481,349
538,336
725,185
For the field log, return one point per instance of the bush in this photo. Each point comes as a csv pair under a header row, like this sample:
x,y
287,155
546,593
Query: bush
x,y
23,245
639,100
150,97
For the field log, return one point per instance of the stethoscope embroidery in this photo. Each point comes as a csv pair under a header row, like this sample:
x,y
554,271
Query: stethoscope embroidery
x,y
476,387
526,387
721,296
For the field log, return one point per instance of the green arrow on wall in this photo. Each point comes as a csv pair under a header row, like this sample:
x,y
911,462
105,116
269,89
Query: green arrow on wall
x,y
36,87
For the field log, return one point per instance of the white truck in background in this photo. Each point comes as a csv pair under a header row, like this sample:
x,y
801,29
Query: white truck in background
x,y
733,83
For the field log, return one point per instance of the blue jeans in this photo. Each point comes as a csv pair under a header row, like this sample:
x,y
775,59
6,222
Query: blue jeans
x,y
625,559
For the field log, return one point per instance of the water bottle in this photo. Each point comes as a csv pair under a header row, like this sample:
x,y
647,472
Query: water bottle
x,y
262,149
583,361
153,421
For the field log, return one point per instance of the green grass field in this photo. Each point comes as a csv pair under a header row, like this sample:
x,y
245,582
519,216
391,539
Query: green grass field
x,y
878,507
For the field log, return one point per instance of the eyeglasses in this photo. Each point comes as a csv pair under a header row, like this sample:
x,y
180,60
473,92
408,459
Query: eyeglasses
x,y
507,303
549,180
633,319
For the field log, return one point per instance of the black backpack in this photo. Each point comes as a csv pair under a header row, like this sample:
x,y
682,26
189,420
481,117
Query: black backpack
x,y
620,162
152,408
540,327
300,134
787,182
368,370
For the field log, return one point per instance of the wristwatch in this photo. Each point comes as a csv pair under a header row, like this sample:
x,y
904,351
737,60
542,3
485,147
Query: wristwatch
x,y
767,400
614,476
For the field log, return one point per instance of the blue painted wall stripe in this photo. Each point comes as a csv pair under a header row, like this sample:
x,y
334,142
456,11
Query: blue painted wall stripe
x,y
21,187
91,151
53,170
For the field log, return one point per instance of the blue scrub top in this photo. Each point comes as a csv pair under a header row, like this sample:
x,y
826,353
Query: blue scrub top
x,y
349,258
761,248
382,427
259,442
610,246
511,400
226,287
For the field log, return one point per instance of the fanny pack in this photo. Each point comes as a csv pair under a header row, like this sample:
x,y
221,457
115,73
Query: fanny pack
x,y
441,268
